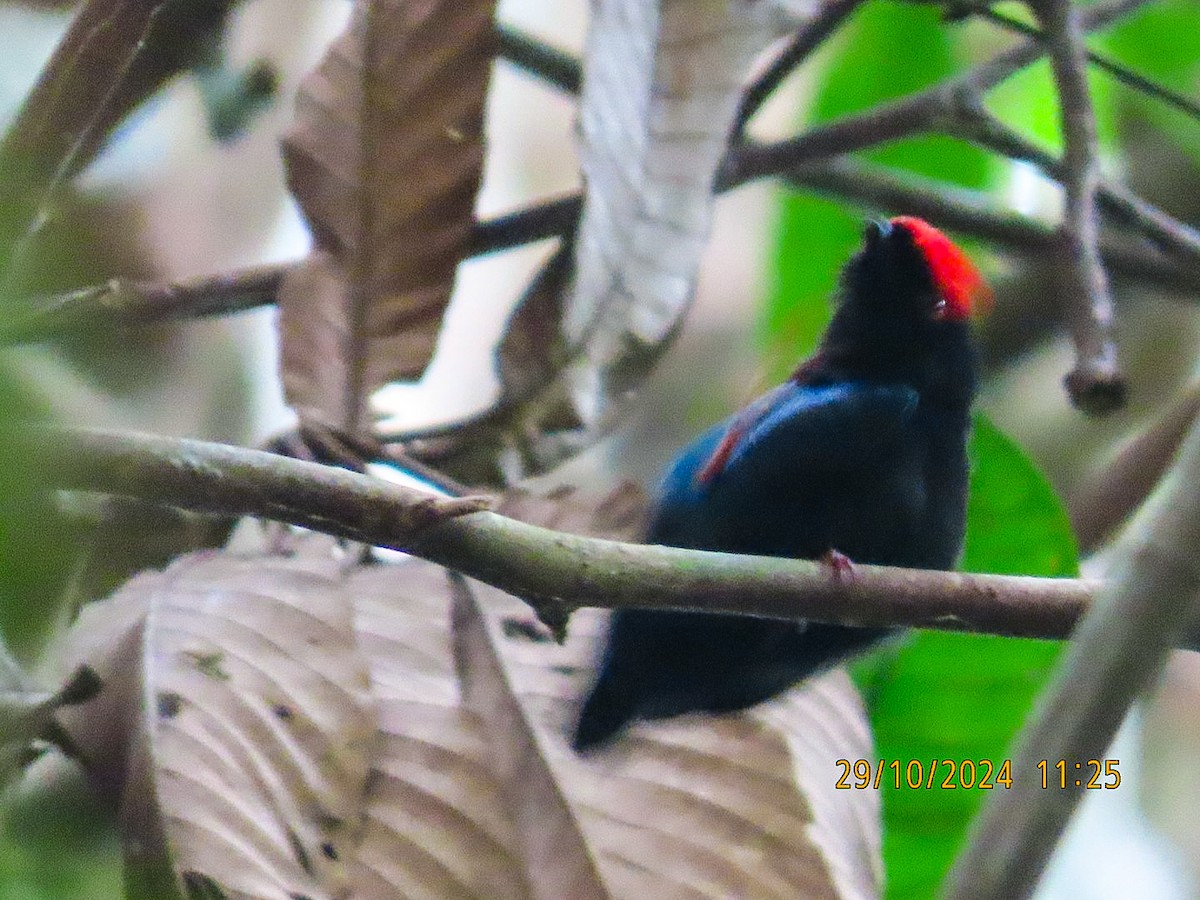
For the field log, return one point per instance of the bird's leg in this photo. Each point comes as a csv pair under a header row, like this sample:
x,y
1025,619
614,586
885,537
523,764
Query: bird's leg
x,y
839,564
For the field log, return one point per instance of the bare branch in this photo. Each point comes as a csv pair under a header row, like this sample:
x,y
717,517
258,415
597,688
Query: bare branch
x,y
549,64
548,219
1116,654
1116,70
971,212
553,571
121,303
1117,201
937,108
1095,384
794,52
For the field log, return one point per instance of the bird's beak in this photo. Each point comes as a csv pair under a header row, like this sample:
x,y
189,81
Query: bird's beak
x,y
876,231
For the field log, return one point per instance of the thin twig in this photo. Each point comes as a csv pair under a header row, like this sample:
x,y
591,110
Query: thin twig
x,y
119,303
1116,70
550,569
1117,653
1095,384
1118,202
798,48
971,212
936,108
549,64
548,219
122,303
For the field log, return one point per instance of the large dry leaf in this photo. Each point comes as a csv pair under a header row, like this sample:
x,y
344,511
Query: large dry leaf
x,y
436,825
487,800
532,352
661,86
740,805
236,728
236,723
385,160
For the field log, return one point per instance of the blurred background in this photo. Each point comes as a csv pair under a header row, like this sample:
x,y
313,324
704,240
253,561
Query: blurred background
x,y
193,185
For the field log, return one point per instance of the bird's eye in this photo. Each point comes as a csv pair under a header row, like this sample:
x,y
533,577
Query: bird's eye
x,y
939,311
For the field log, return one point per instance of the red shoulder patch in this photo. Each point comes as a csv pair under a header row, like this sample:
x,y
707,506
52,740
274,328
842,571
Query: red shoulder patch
x,y
737,429
716,463
955,276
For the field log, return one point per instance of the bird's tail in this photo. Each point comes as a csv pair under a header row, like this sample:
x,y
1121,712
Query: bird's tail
x,y
705,663
607,711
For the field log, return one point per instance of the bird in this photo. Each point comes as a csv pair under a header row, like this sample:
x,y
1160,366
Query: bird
x,y
859,457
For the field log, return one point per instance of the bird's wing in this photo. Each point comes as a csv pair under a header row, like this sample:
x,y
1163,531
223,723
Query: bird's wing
x,y
797,426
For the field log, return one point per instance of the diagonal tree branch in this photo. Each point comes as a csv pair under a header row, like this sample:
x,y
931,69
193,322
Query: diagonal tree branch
x,y
1117,201
1116,70
937,108
1104,499
971,212
122,303
548,219
546,63
794,52
119,302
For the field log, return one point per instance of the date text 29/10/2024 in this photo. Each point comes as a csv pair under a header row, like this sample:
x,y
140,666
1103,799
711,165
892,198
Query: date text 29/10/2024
x,y
966,774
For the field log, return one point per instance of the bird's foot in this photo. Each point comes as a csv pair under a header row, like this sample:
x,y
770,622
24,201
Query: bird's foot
x,y
838,563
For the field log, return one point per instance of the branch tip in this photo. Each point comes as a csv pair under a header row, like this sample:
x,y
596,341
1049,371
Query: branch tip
x,y
1097,391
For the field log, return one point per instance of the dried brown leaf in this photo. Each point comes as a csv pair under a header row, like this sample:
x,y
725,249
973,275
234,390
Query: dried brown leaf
x,y
532,352
385,160
436,826
740,805
236,721
235,726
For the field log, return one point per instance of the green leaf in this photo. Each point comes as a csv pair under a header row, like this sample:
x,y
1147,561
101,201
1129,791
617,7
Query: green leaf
x,y
815,236
1007,490
964,697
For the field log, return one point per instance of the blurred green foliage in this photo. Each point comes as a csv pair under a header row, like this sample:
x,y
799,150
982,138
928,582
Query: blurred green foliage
x,y
36,544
